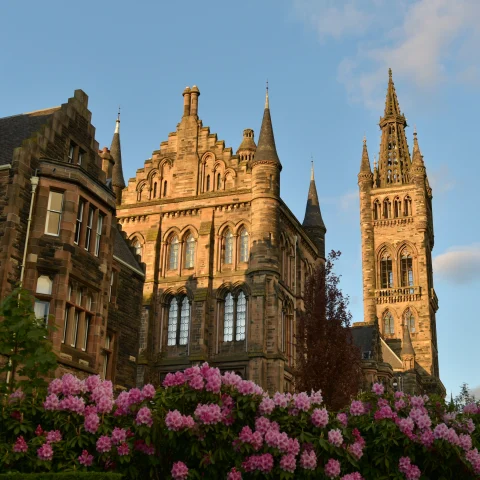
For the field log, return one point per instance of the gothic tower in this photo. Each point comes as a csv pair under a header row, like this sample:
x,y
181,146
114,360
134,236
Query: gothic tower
x,y
397,241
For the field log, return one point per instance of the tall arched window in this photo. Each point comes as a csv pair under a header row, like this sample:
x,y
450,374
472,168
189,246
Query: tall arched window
x,y
397,207
386,271
178,321
42,300
219,181
235,317
228,258
408,206
244,246
377,211
173,254
410,320
155,190
387,212
140,193
208,183
165,188
388,324
137,246
190,252
406,267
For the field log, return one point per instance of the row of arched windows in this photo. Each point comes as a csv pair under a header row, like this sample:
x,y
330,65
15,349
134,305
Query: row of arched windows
x,y
386,274
389,322
234,318
159,189
386,210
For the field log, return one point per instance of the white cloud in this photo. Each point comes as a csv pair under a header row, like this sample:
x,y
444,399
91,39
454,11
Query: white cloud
x,y
349,200
425,42
459,265
475,392
441,179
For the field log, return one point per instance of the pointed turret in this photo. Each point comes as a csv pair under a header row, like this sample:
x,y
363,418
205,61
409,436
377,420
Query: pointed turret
x,y
394,161
365,175
118,182
417,157
266,149
247,148
313,221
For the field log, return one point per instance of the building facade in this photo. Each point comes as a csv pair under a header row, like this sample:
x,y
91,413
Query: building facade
x,y
396,221
226,260
60,240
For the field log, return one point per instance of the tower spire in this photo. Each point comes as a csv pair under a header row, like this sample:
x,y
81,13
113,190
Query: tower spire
x,y
365,162
394,160
266,149
312,172
118,182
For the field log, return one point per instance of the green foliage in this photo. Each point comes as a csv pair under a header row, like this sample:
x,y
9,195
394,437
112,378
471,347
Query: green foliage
x,y
464,397
62,476
24,341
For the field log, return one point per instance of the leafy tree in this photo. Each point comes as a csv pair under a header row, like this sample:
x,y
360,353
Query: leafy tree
x,y
464,397
24,342
327,359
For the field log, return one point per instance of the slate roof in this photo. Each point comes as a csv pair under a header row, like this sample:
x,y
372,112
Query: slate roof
x,y
122,251
363,337
313,215
266,149
14,130
390,356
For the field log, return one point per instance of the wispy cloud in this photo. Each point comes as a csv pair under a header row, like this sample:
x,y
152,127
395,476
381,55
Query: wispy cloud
x,y
475,392
418,40
345,202
441,179
459,265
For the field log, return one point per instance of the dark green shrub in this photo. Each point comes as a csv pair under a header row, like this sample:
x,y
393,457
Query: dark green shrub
x,y
61,476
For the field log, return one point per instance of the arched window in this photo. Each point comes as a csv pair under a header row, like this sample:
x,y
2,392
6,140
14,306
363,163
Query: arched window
x,y
165,188
406,267
387,213
244,246
137,246
42,302
386,272
190,252
235,317
408,206
410,321
178,321
44,285
155,190
377,211
219,181
397,207
388,324
208,183
173,255
140,193
228,259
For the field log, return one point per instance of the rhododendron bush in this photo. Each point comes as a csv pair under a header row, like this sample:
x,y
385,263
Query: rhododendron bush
x,y
202,424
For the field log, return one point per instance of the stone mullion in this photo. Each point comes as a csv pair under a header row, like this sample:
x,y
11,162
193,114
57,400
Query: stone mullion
x,y
180,257
217,253
163,255
235,250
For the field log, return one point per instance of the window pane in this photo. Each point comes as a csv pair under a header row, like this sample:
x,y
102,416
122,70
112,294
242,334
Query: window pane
x,y
173,260
65,325
228,247
190,252
184,322
410,321
386,273
389,327
241,317
44,285
41,310
228,319
53,223
172,322
244,246
85,338
75,328
55,201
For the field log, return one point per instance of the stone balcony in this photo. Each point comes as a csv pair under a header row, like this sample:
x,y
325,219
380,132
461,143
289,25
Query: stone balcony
x,y
398,294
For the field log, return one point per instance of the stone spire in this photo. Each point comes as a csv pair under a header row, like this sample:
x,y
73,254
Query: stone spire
x,y
313,221
417,157
394,160
118,182
266,149
365,163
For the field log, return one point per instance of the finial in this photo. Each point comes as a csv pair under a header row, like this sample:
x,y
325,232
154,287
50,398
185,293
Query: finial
x,y
364,139
266,97
117,123
390,73
312,173
374,161
415,130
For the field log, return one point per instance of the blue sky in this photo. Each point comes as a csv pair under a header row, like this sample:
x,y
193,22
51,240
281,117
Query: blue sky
x,y
326,62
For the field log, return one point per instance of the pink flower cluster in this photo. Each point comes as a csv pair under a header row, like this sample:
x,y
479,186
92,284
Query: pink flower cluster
x,y
473,456
234,474
179,471
85,459
20,445
335,437
176,421
208,414
45,452
263,463
320,417
357,408
332,468
308,460
411,472
144,417
16,396
378,389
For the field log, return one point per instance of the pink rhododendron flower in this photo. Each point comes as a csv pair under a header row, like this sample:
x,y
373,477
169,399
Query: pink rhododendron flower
x,y
85,459
208,414
266,407
231,379
262,463
104,444
399,404
332,468
352,476
45,452
52,402
92,382
412,472
280,400
320,417
179,471
16,396
148,391
356,449
343,418
91,423
473,457
123,449
441,431
316,398
20,445
104,405
39,430
301,401
144,416
54,436
335,437
263,424
288,463
196,382
71,385
293,446
119,435
417,402
72,404
378,389
55,386
357,408
234,474
471,408
308,460
134,396
176,421
465,441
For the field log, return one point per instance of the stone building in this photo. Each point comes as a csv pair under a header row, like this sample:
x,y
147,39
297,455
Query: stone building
x,y
396,222
226,260
59,238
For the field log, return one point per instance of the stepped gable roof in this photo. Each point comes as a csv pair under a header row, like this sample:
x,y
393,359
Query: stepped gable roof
x,y
17,128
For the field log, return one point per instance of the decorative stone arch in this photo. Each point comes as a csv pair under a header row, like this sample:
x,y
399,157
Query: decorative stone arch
x,y
137,237
414,312
208,155
226,225
164,162
152,174
241,286
219,164
407,206
187,230
240,225
386,274
386,208
230,171
229,178
141,186
377,209
397,207
170,232
388,322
